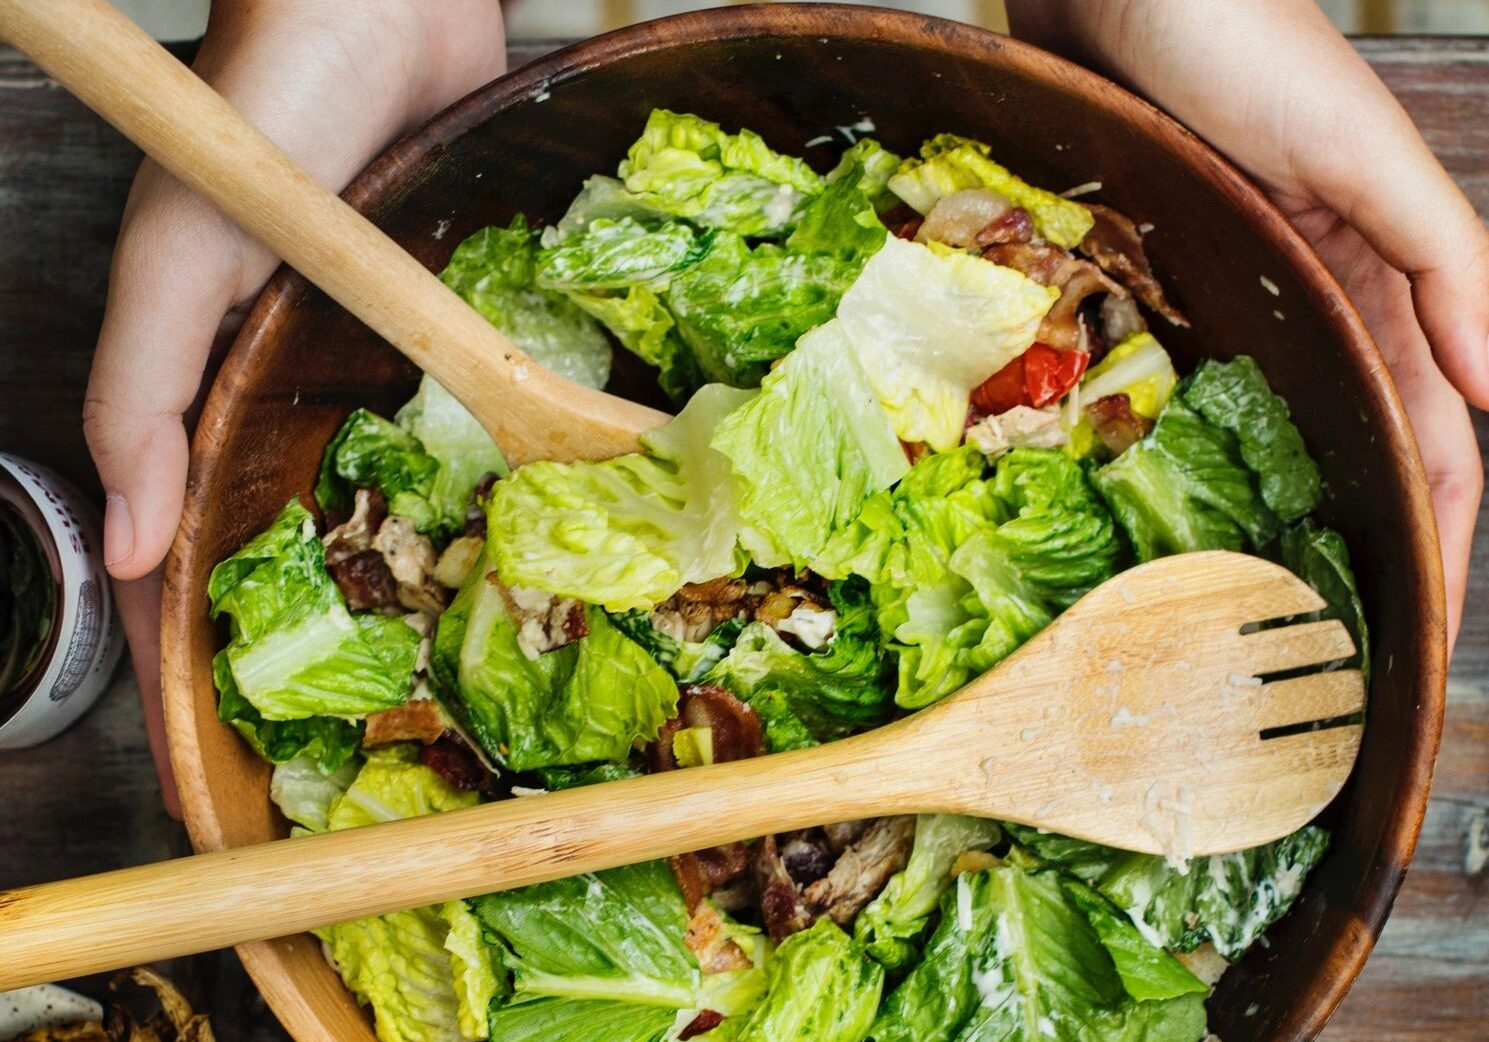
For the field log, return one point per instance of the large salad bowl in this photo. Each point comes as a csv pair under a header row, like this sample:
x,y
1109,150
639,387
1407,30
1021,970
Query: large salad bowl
x,y
1248,282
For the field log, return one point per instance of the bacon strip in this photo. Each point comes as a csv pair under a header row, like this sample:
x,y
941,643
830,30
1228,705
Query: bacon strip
x,y
1116,424
1116,245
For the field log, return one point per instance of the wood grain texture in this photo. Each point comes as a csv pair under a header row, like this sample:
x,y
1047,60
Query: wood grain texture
x,y
63,176
1159,725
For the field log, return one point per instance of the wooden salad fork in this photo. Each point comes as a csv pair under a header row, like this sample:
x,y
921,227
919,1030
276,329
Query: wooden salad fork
x,y
119,72
1149,716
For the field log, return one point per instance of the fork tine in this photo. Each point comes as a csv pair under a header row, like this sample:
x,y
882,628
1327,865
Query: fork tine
x,y
1292,647
1318,696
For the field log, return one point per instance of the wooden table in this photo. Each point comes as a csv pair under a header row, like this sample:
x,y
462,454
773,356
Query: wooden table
x,y
88,801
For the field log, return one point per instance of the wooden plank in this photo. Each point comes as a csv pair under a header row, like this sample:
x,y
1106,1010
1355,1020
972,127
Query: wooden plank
x,y
88,800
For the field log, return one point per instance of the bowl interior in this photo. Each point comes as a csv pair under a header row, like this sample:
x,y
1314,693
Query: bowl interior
x,y
796,73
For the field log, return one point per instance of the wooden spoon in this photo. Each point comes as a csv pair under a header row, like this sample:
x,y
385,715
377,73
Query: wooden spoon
x,y
1136,719
181,123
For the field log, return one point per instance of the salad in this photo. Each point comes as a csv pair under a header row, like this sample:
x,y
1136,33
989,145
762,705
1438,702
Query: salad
x,y
920,412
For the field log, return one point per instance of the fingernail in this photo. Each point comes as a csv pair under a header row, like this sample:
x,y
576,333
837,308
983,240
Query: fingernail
x,y
118,531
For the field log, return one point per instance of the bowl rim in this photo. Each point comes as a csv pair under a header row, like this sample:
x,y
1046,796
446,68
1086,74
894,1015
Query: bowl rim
x,y
832,21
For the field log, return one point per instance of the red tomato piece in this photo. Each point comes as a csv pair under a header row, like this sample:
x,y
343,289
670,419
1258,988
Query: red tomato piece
x,y
1048,373
1003,390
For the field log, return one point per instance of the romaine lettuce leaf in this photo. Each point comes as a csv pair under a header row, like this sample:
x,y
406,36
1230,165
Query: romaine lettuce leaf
x,y
612,255
891,926
587,701
555,778
600,198
304,792
842,222
1028,956
950,163
644,326
1138,367
782,729
329,741
740,309
1228,900
627,532
457,442
689,167
400,963
877,165
1319,557
687,660
808,450
476,967
930,326
821,988
1234,396
1185,487
832,692
580,1020
371,452
295,651
495,271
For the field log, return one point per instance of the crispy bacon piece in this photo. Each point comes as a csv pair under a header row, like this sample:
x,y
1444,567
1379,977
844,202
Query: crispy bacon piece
x,y
902,221
1116,245
694,611
735,727
862,870
1116,424
417,721
1013,225
1076,279
706,939
456,763
359,571
959,218
705,1021
782,907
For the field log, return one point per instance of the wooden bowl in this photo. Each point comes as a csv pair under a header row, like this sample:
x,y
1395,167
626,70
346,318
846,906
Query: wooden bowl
x,y
526,141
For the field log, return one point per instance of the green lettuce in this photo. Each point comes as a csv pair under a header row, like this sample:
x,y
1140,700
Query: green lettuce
x,y
600,198
687,660
304,793
1185,487
295,651
1319,557
950,163
1234,396
821,988
842,221
782,729
1228,900
689,167
587,701
875,165
627,532
740,309
612,255
476,968
404,965
929,325
891,926
458,443
371,452
641,322
329,741
555,778
832,692
808,451
1021,955
495,271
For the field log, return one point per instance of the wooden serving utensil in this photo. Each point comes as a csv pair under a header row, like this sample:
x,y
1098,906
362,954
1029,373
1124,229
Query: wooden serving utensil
x,y
155,101
1143,717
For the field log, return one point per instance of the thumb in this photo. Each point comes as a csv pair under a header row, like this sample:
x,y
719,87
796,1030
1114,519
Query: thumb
x,y
176,272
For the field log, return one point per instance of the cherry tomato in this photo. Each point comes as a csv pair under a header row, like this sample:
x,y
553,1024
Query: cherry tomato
x,y
1003,390
1048,373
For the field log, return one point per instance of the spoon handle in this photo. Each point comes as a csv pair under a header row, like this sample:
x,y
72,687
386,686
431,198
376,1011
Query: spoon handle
x,y
55,931
160,105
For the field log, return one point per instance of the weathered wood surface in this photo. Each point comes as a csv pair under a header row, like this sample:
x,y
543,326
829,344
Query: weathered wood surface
x,y
88,801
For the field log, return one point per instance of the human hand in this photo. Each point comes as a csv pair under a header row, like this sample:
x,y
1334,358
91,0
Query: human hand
x,y
332,82
1273,85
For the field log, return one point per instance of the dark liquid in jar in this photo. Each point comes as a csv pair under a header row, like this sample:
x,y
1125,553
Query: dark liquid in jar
x,y
28,603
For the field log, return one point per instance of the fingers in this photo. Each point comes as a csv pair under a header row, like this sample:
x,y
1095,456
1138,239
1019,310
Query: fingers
x,y
139,607
177,269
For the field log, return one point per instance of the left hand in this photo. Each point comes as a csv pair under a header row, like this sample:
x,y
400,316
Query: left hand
x,y
1275,86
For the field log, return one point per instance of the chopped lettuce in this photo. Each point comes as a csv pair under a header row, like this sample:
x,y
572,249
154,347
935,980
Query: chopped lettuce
x,y
687,660
600,198
371,452
950,163
555,778
689,167
929,326
808,450
740,309
627,532
304,792
875,165
602,956
457,442
821,988
1234,396
329,741
612,255
842,222
495,271
832,692
295,651
1228,900
1185,487
478,972
1138,367
641,322
1319,557
401,964
890,928
586,701
1031,955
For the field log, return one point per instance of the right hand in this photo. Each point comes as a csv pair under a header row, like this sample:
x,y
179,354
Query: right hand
x,y
332,82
